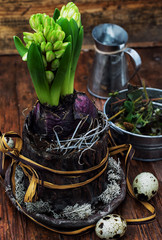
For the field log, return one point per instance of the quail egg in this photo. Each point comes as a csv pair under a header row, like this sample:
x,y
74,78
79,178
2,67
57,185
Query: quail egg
x,y
111,226
10,142
145,186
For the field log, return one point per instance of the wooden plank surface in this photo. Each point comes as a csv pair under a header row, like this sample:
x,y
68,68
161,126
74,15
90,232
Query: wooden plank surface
x,y
17,97
141,19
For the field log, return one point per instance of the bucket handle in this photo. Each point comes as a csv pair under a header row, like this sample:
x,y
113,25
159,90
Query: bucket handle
x,y
136,59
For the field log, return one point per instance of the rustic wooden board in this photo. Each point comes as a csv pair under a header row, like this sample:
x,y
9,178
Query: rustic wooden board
x,y
17,93
141,19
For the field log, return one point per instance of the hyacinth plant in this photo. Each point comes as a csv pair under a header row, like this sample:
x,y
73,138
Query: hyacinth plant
x,y
52,51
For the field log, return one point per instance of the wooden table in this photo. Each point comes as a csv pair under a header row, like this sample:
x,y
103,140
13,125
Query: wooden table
x,y
16,98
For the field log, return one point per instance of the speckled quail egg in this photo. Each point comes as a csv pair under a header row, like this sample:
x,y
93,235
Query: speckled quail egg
x,y
10,142
145,186
111,226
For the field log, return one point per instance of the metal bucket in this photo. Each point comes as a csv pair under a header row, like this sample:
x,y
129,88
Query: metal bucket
x,y
147,148
110,71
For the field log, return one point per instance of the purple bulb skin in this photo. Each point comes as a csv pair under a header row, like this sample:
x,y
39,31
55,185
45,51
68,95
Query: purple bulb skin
x,y
64,118
83,106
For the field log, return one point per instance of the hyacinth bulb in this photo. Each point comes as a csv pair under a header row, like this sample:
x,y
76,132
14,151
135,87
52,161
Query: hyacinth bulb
x,y
64,118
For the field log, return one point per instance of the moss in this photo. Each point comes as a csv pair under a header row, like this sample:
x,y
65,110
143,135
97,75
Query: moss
x,y
77,211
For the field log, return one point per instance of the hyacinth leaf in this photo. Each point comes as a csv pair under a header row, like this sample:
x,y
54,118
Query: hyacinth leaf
x,y
76,57
37,73
22,50
56,14
60,77
65,25
66,83
74,30
78,46
69,39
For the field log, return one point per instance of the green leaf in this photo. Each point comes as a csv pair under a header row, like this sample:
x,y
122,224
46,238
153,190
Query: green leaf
x,y
128,118
65,25
77,49
141,122
129,106
20,46
61,76
68,39
74,32
37,73
56,14
76,55
135,94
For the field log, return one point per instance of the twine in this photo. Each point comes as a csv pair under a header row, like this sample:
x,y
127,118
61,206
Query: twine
x,y
25,163
34,180
109,53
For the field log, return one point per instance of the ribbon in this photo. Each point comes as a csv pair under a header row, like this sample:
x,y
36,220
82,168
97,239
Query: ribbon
x,y
30,172
128,158
26,165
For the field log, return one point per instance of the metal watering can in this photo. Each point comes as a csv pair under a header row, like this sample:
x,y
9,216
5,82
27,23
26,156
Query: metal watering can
x,y
110,71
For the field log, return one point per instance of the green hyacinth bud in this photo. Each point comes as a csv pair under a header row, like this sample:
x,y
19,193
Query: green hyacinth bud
x,y
52,22
38,20
28,35
60,35
38,37
28,44
46,30
55,64
48,47
24,58
77,18
44,61
32,22
35,22
64,45
26,40
57,27
43,44
50,56
44,15
49,76
69,5
40,28
51,37
54,36
48,21
59,53
71,11
57,45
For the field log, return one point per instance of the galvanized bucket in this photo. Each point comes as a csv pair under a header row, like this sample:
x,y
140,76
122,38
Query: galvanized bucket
x,y
147,148
110,71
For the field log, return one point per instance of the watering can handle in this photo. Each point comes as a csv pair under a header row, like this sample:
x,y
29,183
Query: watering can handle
x,y
136,60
